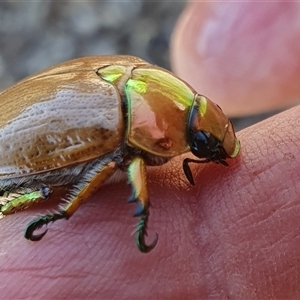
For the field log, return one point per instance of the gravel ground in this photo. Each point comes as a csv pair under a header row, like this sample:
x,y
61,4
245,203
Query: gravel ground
x,y
38,34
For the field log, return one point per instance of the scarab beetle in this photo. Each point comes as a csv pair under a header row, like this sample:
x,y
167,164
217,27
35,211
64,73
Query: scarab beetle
x,y
79,122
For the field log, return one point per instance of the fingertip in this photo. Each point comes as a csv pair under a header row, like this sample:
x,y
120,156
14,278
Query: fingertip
x,y
243,56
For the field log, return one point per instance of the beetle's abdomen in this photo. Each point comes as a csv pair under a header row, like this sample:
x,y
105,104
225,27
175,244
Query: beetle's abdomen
x,y
58,120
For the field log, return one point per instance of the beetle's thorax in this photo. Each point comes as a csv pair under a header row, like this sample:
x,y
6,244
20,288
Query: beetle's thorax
x,y
157,108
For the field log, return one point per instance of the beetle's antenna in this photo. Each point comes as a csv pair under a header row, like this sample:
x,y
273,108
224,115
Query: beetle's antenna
x,y
187,169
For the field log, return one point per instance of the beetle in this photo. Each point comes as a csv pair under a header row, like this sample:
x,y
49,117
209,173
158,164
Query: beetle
x,y
79,122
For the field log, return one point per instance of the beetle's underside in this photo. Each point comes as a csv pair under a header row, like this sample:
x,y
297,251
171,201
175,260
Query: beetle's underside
x,y
19,193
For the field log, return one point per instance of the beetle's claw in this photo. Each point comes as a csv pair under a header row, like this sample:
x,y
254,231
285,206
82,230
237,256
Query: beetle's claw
x,y
29,234
142,232
143,247
39,223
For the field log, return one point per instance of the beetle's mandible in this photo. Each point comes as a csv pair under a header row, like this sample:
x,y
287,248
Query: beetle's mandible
x,y
79,122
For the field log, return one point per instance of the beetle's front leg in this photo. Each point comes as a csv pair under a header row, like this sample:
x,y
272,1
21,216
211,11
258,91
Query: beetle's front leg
x,y
88,184
137,177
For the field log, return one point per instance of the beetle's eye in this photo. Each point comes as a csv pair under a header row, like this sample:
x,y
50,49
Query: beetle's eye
x,y
204,138
201,137
202,144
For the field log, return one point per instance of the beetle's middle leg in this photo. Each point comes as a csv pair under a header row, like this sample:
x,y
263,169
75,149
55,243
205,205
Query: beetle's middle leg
x,y
20,198
81,192
137,177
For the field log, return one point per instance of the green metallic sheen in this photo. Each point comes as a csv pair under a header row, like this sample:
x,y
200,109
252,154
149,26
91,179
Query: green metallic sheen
x,y
21,202
137,86
112,73
172,87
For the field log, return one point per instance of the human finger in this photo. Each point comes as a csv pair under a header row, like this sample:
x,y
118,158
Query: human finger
x,y
244,55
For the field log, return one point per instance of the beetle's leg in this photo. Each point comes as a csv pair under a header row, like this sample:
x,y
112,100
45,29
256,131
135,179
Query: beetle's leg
x,y
86,187
25,200
138,179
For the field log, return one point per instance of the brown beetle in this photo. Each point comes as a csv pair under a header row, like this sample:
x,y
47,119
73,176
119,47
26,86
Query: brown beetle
x,y
79,122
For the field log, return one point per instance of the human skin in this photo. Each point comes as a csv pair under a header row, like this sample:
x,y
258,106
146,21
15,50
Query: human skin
x,y
244,55
234,235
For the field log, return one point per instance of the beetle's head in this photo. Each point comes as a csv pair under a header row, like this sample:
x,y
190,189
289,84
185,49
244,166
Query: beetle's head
x,y
210,134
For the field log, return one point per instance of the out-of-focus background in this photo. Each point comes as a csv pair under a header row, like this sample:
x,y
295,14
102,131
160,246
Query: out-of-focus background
x,y
37,34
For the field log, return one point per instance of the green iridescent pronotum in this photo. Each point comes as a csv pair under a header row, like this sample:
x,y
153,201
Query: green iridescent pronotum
x,y
79,122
